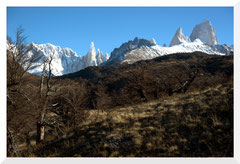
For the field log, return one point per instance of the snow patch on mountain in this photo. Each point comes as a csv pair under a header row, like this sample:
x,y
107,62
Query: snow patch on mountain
x,y
149,52
224,49
118,53
179,38
65,60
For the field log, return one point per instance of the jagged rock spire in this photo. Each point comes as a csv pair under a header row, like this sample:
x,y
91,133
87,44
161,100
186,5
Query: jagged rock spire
x,y
179,38
205,32
90,58
154,41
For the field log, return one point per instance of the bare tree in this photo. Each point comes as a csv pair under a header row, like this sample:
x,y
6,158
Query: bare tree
x,y
138,78
179,80
19,58
44,64
41,122
19,61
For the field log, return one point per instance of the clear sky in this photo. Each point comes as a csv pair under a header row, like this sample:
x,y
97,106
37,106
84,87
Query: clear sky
x,y
109,27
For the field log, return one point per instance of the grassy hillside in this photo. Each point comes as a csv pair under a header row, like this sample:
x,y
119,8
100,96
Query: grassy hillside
x,y
170,106
197,124
149,80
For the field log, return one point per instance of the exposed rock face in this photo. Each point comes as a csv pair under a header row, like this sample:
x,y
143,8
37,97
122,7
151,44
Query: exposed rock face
x,y
66,60
225,49
154,41
106,57
203,38
118,53
179,38
130,53
90,58
205,32
101,58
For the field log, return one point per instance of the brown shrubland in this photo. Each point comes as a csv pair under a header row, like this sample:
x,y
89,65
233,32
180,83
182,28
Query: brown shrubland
x,y
179,105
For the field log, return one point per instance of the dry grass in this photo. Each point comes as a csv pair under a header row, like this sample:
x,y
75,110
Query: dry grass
x,y
144,109
193,125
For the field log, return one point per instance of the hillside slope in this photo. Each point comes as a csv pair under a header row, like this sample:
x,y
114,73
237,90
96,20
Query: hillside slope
x,y
152,79
198,124
175,105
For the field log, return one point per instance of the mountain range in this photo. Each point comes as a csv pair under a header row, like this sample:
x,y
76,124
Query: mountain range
x,y
65,60
203,38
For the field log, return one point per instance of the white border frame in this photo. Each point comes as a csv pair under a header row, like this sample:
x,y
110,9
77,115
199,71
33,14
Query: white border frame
x,y
204,3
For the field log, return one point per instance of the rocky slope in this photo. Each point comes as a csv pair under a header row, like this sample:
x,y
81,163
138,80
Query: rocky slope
x,y
66,60
179,38
144,52
203,38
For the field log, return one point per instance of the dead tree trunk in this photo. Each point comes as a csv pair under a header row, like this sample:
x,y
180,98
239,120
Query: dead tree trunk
x,y
40,132
42,78
12,148
41,123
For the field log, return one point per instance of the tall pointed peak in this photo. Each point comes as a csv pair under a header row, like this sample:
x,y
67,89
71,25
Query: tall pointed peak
x,y
136,39
179,38
99,53
153,41
107,55
205,32
90,58
205,21
92,45
179,30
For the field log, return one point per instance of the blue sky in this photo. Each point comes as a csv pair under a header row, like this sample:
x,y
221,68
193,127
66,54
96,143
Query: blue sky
x,y
109,27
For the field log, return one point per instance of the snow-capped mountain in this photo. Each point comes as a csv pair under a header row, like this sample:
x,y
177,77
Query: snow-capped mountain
x,y
203,38
179,38
64,60
118,54
145,52
205,32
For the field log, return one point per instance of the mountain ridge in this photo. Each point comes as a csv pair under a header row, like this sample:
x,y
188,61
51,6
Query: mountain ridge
x,y
203,38
65,60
